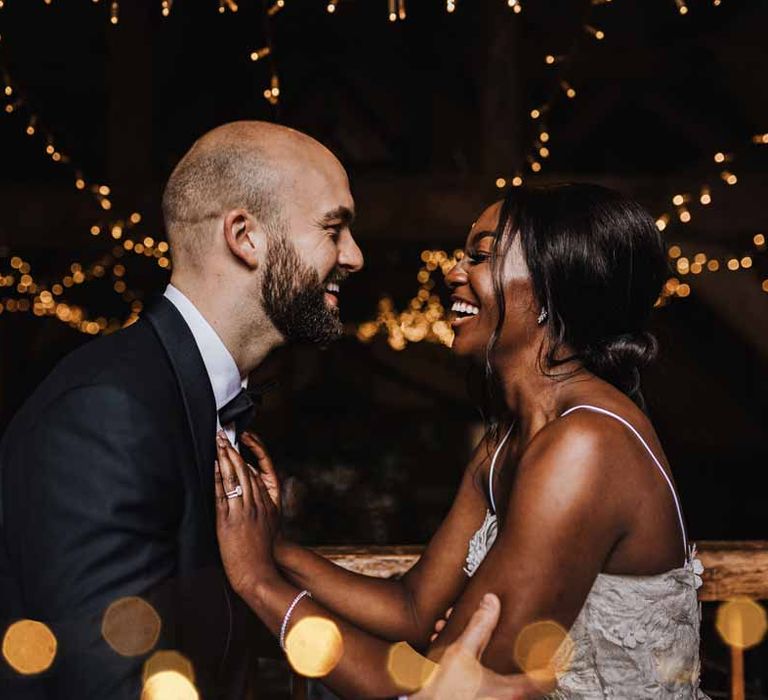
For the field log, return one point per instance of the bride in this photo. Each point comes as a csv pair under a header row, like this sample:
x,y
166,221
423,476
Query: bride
x,y
567,510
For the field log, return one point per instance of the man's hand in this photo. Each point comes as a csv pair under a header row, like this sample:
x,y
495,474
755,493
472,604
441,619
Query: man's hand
x,y
461,676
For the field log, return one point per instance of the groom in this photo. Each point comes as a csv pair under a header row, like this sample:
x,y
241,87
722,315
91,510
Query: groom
x,y
107,484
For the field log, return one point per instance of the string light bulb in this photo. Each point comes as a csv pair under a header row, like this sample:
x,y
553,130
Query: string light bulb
x,y
705,196
114,12
599,34
261,53
279,5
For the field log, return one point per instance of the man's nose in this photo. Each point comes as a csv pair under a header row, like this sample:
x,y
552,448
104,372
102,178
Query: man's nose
x,y
350,255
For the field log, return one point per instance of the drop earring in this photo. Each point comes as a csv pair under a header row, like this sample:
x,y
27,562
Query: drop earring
x,y
542,316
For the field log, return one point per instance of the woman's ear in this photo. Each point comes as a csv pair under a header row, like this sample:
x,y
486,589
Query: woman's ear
x,y
243,236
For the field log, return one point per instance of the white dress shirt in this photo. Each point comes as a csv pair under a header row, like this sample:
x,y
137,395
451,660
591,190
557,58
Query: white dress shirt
x,y
219,364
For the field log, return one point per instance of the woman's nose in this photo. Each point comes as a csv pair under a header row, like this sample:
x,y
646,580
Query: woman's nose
x,y
456,275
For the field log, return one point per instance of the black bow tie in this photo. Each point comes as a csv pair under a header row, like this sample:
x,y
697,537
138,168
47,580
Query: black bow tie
x,y
242,408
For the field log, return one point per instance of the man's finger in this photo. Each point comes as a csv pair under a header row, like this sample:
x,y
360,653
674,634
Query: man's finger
x,y
478,632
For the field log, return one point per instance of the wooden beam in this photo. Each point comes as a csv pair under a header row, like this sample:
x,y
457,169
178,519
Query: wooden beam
x,y
731,569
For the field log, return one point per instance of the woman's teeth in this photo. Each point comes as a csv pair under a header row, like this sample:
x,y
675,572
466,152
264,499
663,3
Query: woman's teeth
x,y
464,308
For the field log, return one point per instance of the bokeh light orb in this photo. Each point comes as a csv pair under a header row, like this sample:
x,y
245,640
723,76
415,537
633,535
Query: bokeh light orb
x,y
131,626
407,668
314,646
741,623
543,647
168,660
29,647
169,685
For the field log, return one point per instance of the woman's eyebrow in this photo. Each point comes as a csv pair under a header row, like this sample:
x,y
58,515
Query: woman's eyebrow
x,y
480,235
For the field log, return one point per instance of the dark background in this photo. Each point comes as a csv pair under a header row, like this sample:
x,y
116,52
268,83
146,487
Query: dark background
x,y
426,114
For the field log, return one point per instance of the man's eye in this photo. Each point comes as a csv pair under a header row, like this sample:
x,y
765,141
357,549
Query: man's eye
x,y
333,232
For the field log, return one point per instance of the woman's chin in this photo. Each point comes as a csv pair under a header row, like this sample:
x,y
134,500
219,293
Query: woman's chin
x,y
463,346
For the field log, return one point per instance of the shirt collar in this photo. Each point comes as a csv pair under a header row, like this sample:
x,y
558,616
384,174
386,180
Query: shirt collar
x,y
222,371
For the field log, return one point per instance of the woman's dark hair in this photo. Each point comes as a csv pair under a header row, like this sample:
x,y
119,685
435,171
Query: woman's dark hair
x,y
597,264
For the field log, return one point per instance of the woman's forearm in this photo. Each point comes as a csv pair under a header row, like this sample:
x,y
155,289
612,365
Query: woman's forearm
x,y
382,607
365,669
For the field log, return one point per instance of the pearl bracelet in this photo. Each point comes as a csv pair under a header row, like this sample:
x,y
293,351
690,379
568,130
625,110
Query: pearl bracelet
x,y
288,614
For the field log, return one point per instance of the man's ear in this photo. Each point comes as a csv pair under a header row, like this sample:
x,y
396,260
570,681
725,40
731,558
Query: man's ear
x,y
243,236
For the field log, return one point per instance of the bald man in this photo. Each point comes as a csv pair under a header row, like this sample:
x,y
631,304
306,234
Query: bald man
x,y
107,487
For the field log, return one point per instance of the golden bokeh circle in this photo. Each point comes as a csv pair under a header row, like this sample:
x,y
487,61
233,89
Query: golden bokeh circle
x,y
314,646
543,647
131,626
29,647
169,685
168,660
741,623
407,668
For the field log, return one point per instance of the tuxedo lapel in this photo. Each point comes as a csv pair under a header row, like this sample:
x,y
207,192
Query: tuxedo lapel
x,y
195,387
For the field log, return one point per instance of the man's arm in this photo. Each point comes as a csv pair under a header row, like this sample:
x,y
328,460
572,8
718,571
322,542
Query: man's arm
x,y
95,504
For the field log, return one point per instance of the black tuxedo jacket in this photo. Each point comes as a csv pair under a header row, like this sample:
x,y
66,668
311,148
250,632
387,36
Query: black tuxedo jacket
x,y
107,491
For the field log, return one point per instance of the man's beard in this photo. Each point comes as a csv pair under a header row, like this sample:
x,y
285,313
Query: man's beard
x,y
294,296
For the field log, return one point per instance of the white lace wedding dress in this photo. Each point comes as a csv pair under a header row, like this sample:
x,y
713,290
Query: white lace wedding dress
x,y
636,636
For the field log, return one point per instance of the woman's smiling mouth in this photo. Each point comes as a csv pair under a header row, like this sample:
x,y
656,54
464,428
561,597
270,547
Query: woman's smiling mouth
x,y
463,311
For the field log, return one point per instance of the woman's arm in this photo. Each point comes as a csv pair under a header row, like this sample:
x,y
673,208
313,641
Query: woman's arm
x,y
245,525
560,525
404,609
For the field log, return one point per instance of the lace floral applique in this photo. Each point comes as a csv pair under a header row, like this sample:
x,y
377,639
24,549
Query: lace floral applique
x,y
695,566
481,543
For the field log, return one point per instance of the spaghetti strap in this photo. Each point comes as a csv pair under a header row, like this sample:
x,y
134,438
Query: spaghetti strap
x,y
653,457
493,466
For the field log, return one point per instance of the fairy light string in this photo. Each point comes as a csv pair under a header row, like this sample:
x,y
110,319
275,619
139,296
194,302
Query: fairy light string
x,y
563,87
424,317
